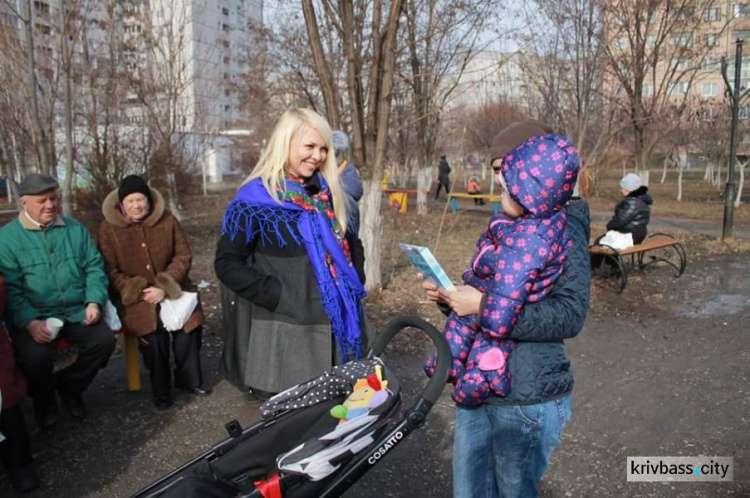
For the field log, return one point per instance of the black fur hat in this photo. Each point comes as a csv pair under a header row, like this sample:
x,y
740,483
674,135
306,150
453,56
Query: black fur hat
x,y
133,184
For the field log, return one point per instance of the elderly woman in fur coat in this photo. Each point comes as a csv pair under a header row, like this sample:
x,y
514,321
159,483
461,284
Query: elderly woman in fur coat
x,y
147,259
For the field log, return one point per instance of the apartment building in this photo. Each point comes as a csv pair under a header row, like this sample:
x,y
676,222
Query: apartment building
x,y
723,23
204,44
184,55
492,76
199,45
688,70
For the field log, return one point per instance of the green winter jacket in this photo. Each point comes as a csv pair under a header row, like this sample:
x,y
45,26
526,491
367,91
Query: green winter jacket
x,y
52,272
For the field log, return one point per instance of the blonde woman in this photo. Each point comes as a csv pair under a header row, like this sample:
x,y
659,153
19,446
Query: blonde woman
x,y
291,295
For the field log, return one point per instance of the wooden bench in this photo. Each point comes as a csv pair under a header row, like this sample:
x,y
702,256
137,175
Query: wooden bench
x,y
656,248
489,198
131,358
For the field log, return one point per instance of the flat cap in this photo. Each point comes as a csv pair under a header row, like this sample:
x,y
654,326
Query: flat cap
x,y
35,183
515,134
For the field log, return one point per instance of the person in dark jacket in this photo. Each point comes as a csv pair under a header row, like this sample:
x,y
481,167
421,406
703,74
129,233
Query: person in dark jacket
x,y
15,447
518,260
633,213
444,171
503,447
292,296
351,182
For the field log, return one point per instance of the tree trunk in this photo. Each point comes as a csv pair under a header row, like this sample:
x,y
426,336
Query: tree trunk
x,y
664,170
39,136
68,183
9,160
371,232
424,177
717,179
16,171
741,167
325,77
174,205
679,180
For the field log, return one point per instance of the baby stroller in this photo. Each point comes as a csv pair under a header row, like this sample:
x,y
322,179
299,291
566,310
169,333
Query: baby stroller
x,y
315,439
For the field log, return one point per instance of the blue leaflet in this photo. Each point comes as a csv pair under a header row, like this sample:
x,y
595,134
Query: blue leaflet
x,y
423,260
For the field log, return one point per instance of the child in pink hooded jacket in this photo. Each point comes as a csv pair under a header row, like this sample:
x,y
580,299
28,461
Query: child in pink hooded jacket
x,y
517,260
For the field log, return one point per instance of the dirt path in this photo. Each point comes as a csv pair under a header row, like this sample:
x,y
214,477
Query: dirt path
x,y
662,369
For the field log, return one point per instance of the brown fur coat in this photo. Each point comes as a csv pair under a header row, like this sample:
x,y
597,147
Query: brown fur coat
x,y
154,253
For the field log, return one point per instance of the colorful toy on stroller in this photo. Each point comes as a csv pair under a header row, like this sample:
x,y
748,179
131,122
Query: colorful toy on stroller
x,y
315,439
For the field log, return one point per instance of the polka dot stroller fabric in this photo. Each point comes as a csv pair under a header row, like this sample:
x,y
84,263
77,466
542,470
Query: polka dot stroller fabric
x,y
339,381
319,457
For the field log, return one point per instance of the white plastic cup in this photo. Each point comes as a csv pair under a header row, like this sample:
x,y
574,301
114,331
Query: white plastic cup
x,y
54,325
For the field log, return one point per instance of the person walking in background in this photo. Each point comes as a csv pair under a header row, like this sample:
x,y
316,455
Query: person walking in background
x,y
444,171
351,183
53,270
148,259
15,446
503,447
292,295
632,213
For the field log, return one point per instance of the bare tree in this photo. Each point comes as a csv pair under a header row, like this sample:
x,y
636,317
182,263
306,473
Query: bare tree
x,y
367,32
653,56
15,131
30,93
108,145
441,39
711,138
483,123
41,136
564,58
163,85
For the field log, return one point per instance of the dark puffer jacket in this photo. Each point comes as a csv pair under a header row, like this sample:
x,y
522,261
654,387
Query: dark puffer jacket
x,y
632,214
539,365
444,171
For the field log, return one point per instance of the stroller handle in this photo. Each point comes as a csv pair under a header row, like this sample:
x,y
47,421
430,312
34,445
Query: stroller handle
x,y
440,377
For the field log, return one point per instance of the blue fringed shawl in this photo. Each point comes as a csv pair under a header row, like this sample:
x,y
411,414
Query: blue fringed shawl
x,y
254,212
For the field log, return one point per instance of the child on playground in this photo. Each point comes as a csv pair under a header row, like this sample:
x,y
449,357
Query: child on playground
x,y
517,260
474,188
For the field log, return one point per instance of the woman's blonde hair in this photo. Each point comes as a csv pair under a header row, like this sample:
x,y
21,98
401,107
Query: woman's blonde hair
x,y
271,166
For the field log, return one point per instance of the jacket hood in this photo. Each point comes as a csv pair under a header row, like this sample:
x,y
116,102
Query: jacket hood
x,y
642,192
541,173
111,210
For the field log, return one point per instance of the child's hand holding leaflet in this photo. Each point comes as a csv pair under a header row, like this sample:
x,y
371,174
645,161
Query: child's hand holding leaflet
x,y
423,260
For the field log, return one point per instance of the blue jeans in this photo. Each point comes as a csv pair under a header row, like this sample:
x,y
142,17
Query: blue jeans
x,y
503,451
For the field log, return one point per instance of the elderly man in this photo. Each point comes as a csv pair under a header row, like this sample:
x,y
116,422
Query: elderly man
x,y
53,270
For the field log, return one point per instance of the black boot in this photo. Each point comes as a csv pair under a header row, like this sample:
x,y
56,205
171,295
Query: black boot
x,y
23,478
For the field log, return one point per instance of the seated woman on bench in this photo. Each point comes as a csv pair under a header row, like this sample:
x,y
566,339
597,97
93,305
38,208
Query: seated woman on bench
x,y
633,213
474,188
